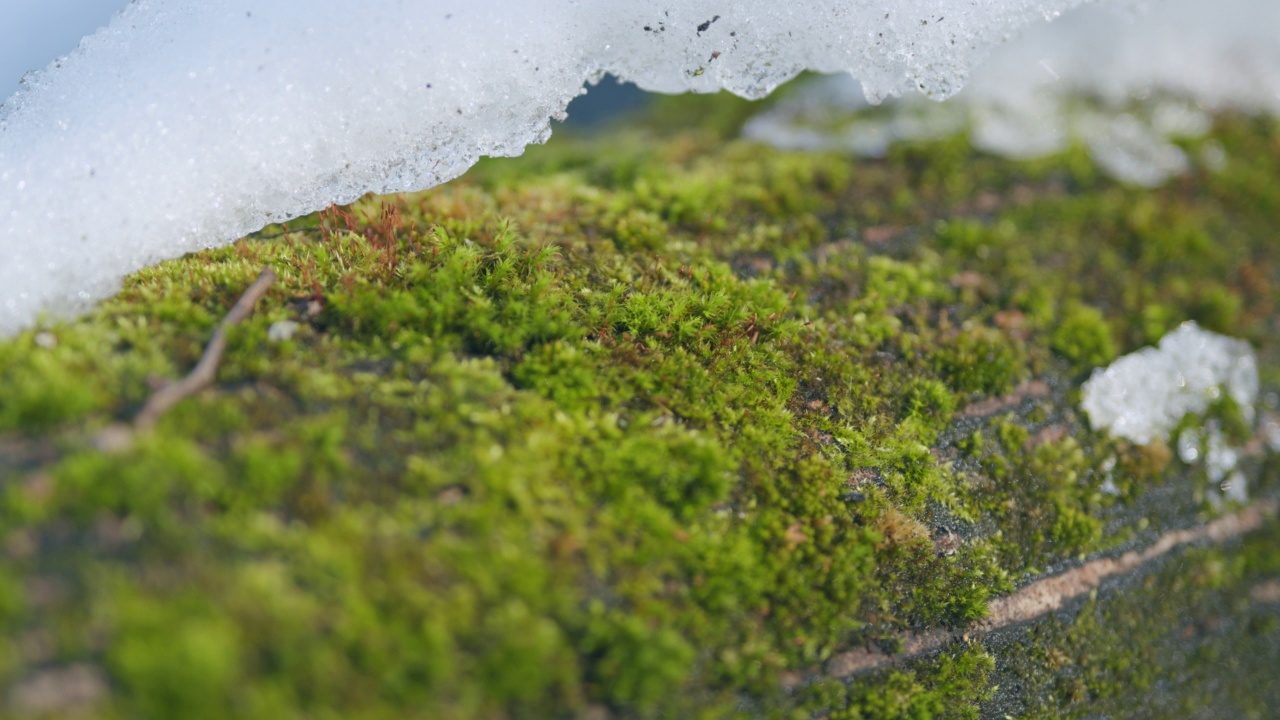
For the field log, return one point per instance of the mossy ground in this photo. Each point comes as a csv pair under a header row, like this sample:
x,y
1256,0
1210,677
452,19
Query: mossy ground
x,y
649,424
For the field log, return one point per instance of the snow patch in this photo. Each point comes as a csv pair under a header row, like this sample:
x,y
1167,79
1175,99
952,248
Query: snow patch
x,y
1143,396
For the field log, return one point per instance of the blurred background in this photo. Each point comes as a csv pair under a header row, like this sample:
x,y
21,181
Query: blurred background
x,y
34,33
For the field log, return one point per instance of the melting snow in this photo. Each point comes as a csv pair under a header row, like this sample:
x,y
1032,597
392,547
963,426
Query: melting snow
x,y
188,123
1074,80
1144,395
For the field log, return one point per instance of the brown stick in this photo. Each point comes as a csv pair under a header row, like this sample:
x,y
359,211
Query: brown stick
x,y
202,375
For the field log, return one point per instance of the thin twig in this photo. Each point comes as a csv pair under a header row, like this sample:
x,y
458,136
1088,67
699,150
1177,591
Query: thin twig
x,y
202,375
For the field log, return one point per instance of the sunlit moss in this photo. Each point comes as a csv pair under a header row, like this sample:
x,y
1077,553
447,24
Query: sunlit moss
x,y
647,425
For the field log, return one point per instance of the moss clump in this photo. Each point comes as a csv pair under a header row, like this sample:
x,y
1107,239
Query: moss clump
x,y
951,685
1083,337
649,427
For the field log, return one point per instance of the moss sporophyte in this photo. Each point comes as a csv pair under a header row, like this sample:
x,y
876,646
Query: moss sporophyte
x,y
659,425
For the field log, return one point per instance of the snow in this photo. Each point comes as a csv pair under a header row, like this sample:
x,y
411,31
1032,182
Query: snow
x,y
1080,79
186,124
1143,397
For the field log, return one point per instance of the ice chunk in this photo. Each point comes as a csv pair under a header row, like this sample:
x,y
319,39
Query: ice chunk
x,y
1143,395
188,123
1075,79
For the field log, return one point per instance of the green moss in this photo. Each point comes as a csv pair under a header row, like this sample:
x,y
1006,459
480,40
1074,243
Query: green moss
x,y
977,360
952,685
42,391
1083,338
647,425
176,658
